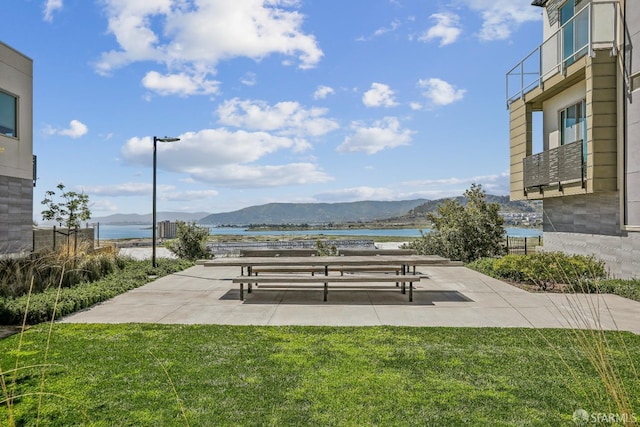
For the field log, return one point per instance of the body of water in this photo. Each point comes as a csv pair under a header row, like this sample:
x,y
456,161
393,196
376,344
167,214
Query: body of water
x,y
144,231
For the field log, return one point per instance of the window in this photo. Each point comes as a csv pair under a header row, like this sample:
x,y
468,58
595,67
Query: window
x,y
8,116
573,123
573,127
575,32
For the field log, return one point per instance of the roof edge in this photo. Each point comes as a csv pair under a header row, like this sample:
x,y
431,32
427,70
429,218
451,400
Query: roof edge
x,y
540,3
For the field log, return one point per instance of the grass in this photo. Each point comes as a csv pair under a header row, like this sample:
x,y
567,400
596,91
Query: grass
x,y
147,375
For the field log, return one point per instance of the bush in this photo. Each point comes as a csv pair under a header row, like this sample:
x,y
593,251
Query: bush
x,y
545,269
464,232
45,270
624,288
41,306
324,249
191,242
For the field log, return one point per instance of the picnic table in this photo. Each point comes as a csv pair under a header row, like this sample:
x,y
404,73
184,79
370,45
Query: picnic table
x,y
404,262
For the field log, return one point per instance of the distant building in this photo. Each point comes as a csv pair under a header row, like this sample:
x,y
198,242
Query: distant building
x,y
17,163
167,230
581,86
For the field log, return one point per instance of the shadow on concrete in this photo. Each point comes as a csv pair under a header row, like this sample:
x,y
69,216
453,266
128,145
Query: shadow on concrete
x,y
307,295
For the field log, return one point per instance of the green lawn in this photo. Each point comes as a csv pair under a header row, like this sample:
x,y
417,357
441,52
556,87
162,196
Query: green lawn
x,y
124,375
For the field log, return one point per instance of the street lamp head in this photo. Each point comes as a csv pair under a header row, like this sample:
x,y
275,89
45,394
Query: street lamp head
x,y
166,139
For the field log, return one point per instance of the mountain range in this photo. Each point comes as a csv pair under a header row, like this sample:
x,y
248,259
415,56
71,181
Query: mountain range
x,y
314,213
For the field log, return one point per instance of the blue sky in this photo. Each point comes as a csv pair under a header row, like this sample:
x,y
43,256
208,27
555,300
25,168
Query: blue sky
x,y
273,100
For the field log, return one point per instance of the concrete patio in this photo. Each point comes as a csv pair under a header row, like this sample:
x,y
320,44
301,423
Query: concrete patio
x,y
445,296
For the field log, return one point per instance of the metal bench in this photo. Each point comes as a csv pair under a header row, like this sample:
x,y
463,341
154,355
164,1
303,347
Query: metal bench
x,y
288,279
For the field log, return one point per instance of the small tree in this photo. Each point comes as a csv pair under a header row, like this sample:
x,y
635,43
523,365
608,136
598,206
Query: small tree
x,y
190,242
464,232
70,211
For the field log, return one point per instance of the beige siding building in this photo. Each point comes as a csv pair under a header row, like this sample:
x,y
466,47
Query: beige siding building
x,y
16,152
574,106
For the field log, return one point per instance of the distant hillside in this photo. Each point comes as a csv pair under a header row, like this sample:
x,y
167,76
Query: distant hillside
x,y
312,213
122,219
505,205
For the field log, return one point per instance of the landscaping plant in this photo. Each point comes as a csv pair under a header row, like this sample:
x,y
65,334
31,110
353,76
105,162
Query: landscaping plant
x,y
464,232
190,242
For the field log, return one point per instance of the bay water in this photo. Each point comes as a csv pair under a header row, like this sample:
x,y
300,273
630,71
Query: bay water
x,y
132,231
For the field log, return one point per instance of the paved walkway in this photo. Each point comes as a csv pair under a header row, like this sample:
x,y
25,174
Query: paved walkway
x,y
445,296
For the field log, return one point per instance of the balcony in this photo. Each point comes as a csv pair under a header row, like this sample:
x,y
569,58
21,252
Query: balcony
x,y
592,28
558,166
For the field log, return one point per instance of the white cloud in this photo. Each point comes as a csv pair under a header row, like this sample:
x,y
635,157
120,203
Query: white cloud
x,y
189,196
51,6
502,17
355,194
440,92
181,84
225,158
496,184
322,92
285,118
249,79
380,95
384,134
246,176
191,38
129,189
395,24
126,189
75,130
447,29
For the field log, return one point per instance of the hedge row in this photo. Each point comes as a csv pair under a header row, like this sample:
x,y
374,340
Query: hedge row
x,y
584,274
41,305
544,269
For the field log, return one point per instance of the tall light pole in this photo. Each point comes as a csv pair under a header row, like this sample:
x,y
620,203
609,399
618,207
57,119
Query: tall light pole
x,y
154,225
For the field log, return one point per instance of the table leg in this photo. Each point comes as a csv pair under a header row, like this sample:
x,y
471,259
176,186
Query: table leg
x,y
241,291
404,271
249,287
326,290
410,291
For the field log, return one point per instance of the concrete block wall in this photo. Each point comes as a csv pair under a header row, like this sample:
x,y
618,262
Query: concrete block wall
x,y
597,213
16,213
620,253
590,225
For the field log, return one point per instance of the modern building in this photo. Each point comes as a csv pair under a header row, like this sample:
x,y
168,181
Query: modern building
x,y
17,164
574,105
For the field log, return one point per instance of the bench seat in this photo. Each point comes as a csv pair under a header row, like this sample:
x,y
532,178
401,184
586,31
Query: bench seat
x,y
287,279
294,269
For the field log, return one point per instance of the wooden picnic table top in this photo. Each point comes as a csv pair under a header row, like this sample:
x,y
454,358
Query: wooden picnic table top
x,y
409,260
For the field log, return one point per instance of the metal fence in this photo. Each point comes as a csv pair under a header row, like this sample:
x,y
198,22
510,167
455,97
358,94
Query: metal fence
x,y
522,245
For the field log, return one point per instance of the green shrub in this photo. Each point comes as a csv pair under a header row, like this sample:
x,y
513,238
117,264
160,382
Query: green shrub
x,y
45,270
325,250
545,269
624,288
72,299
463,232
190,242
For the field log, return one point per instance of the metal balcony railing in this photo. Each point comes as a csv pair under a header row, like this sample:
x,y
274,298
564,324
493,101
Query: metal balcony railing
x,y
594,27
557,166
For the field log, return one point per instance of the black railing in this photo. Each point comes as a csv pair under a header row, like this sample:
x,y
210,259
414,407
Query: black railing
x,y
523,245
555,167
